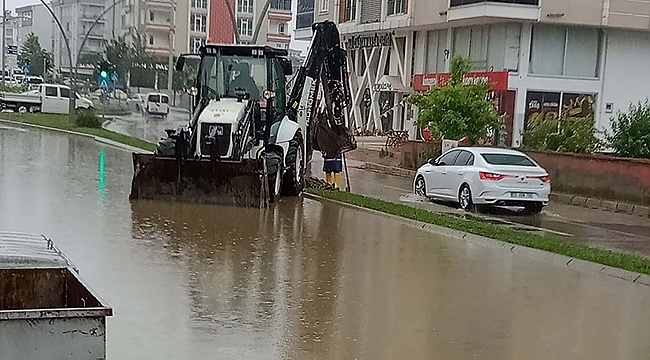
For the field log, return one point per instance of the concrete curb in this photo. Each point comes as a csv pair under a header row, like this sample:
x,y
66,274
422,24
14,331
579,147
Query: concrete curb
x,y
541,255
98,139
391,170
592,203
605,205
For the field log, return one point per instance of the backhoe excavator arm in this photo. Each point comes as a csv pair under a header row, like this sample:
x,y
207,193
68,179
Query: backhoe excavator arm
x,y
325,70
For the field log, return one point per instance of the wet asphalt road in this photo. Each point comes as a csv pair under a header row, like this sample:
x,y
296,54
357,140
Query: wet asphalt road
x,y
301,280
615,231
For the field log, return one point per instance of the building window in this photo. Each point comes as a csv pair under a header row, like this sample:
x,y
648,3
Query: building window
x,y
349,10
200,4
281,5
565,51
324,6
305,14
196,44
435,52
151,40
198,23
489,47
245,27
396,7
245,6
282,28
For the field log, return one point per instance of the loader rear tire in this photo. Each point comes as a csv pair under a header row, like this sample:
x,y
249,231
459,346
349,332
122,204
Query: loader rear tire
x,y
294,176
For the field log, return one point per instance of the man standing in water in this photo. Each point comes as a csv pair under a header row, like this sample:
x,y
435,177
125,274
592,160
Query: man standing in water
x,y
333,166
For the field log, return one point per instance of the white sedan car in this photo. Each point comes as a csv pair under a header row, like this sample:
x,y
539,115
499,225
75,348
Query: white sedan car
x,y
475,176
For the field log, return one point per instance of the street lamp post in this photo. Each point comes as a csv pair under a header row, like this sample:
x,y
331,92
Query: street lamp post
x,y
4,22
71,102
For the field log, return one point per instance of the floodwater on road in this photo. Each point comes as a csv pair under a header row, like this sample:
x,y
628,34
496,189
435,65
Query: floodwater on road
x,y
303,279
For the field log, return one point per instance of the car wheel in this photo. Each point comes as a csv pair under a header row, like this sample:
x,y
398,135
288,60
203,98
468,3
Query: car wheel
x,y
465,198
420,186
533,208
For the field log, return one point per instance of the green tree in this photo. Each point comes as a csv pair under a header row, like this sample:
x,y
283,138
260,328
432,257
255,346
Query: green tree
x,y
120,53
456,110
39,60
630,135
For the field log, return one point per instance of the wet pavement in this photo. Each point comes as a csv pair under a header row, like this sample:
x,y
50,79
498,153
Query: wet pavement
x,y
303,279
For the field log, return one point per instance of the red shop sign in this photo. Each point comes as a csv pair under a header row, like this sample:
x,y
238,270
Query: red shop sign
x,y
498,80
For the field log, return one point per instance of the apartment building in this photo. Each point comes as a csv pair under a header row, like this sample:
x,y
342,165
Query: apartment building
x,y
37,20
77,17
273,30
541,57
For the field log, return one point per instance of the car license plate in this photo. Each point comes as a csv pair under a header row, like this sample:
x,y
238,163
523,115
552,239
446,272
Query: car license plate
x,y
519,195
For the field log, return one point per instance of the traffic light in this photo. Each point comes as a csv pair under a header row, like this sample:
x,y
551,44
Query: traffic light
x,y
105,69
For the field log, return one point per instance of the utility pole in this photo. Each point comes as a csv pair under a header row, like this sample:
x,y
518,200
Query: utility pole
x,y
4,50
170,65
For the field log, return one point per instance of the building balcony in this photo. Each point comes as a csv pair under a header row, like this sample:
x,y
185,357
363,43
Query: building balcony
x,y
159,51
158,27
161,4
278,38
280,15
495,9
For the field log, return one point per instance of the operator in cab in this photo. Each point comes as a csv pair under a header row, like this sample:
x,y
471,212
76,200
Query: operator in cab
x,y
244,81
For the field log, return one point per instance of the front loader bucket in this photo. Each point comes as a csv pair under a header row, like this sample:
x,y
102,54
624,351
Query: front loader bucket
x,y
200,181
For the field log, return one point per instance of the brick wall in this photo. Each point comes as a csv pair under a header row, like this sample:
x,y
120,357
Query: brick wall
x,y
221,31
601,176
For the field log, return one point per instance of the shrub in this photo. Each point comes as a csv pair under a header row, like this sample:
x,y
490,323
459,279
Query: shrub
x,y
456,110
630,135
569,134
88,119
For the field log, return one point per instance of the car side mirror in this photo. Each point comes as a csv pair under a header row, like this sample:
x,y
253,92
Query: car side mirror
x,y
432,162
287,67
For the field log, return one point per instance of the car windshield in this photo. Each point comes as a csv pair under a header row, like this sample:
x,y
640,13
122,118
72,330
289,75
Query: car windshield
x,y
35,81
154,98
232,77
507,159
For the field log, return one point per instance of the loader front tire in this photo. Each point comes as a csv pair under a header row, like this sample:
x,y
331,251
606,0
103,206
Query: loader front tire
x,y
275,175
294,176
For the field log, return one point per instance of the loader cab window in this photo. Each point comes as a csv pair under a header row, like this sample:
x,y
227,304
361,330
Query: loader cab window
x,y
232,77
279,87
243,76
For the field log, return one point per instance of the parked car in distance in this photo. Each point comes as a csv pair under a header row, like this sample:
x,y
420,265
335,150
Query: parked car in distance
x,y
157,104
480,176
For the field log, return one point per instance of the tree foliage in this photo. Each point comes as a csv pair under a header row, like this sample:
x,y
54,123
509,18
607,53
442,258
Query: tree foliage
x,y
456,110
630,135
39,60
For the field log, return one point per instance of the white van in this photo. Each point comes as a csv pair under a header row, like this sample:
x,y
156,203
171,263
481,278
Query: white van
x,y
157,104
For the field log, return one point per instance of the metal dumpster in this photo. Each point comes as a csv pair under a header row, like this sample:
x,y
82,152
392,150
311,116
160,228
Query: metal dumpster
x,y
46,310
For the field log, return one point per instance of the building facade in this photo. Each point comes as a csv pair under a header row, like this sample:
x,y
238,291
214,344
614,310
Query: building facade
x,y
77,17
274,26
27,18
542,58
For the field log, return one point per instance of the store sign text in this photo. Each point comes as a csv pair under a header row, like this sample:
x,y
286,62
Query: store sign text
x,y
497,80
364,42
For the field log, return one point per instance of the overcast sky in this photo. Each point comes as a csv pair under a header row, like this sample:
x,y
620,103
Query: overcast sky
x,y
299,45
